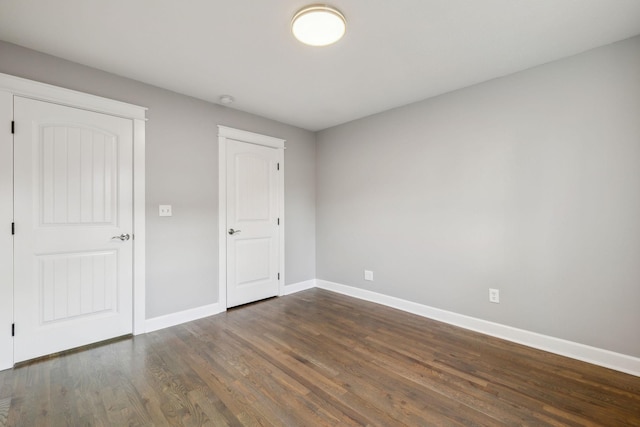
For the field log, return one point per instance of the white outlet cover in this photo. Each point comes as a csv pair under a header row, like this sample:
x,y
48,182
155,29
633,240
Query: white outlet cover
x,y
368,275
164,210
494,296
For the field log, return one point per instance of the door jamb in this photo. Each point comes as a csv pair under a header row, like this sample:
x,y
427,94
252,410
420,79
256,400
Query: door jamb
x,y
225,133
17,86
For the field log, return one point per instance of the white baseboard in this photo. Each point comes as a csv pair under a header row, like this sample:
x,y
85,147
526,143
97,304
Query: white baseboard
x,y
174,319
585,353
180,317
300,286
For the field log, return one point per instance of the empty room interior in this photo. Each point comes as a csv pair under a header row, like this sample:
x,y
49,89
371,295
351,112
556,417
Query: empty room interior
x,y
221,213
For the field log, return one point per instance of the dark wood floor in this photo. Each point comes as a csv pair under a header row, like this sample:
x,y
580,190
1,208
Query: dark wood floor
x,y
311,359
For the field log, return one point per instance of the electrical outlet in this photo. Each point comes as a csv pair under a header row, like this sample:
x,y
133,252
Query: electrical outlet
x,y
164,210
494,295
368,275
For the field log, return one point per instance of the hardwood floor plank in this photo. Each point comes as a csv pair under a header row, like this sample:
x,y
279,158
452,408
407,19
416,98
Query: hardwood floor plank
x,y
5,404
315,358
363,381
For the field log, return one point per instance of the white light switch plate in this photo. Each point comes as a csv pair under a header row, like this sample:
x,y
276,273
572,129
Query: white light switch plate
x,y
164,210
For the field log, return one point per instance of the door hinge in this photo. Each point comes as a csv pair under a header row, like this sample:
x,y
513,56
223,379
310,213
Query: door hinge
x,y
278,166
13,126
278,276
13,228
13,329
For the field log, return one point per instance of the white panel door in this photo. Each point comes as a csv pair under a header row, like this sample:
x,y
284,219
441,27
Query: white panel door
x,y
73,217
252,222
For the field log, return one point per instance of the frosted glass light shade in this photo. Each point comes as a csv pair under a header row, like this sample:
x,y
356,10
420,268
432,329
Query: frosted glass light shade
x,y
318,25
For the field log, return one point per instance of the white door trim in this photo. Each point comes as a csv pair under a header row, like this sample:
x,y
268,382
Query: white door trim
x,y
13,85
71,98
6,239
225,133
139,227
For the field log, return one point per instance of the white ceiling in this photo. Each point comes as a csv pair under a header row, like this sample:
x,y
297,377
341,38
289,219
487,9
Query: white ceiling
x,y
395,51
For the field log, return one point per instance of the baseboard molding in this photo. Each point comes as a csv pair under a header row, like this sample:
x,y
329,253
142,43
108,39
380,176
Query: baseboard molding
x,y
300,286
180,317
585,353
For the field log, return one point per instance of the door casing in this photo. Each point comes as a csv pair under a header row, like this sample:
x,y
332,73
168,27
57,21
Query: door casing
x,y
11,86
6,238
225,133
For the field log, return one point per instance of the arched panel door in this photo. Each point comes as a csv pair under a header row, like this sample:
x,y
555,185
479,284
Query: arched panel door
x,y
74,219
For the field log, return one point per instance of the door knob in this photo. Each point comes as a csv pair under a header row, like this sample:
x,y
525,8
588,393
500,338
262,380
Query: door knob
x,y
122,237
232,231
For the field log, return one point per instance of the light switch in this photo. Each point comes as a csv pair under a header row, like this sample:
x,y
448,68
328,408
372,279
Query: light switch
x,y
164,210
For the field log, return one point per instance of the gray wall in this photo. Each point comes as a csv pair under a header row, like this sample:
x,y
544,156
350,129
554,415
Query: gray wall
x,y
529,183
182,170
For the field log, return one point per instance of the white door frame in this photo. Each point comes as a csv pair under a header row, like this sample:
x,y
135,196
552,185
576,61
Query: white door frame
x,y
11,85
225,133
6,239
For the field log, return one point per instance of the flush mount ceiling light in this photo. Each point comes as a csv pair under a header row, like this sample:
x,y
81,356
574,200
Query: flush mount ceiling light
x,y
318,25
